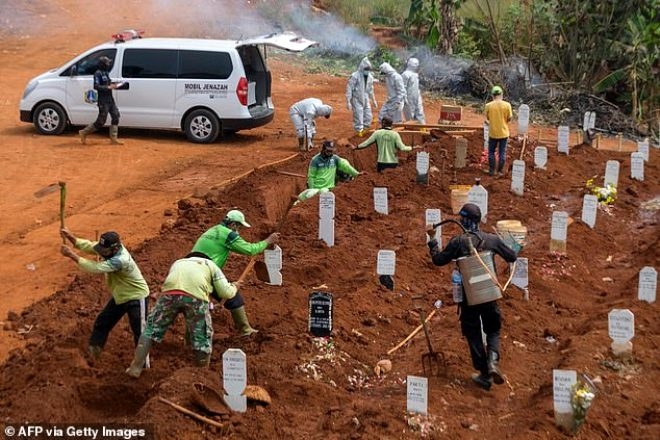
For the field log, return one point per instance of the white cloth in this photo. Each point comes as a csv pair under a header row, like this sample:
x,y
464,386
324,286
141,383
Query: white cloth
x,y
413,108
396,94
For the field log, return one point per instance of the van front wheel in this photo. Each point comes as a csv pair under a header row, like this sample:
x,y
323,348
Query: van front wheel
x,y
49,118
202,127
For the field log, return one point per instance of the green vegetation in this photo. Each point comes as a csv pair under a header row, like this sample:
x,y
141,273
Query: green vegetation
x,y
609,48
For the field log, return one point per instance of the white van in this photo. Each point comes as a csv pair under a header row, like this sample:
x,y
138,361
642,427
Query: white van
x,y
200,86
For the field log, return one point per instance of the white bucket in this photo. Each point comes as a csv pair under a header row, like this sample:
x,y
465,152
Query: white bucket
x,y
511,231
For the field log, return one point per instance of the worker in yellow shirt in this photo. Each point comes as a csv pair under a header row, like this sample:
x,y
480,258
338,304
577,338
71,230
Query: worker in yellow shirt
x,y
498,115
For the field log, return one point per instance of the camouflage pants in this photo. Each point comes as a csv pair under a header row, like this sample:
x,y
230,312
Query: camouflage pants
x,y
198,320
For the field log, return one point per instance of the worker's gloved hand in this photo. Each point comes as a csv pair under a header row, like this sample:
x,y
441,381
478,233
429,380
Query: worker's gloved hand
x,y
273,238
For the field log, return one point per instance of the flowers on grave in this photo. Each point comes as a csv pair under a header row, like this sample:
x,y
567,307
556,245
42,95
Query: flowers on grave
x,y
583,393
606,195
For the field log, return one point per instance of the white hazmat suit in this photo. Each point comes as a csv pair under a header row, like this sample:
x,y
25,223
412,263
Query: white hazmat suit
x,y
302,114
359,90
396,94
413,108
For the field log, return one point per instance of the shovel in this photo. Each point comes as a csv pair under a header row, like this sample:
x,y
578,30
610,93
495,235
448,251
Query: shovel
x,y
49,189
432,363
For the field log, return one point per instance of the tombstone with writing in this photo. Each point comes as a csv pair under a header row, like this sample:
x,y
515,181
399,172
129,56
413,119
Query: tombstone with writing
x,y
327,218
417,395
563,137
540,157
273,260
559,232
637,166
643,147
562,383
385,268
518,177
479,196
234,379
320,314
589,121
648,284
589,209
486,132
380,200
521,275
611,173
422,167
523,119
434,216
621,329
461,152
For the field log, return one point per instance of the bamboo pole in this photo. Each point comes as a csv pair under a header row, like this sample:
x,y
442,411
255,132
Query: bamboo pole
x,y
192,414
411,335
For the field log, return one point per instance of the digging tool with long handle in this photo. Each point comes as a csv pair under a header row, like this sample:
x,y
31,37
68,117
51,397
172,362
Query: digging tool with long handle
x,y
62,186
260,267
433,363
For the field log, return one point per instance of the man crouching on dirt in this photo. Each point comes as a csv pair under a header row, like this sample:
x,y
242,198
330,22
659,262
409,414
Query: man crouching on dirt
x,y
186,290
127,285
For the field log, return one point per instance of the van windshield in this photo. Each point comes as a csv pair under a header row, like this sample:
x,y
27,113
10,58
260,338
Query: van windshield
x,y
89,64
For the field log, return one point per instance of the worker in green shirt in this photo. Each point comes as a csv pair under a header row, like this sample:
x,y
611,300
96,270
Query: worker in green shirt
x,y
127,285
388,142
223,238
322,171
187,290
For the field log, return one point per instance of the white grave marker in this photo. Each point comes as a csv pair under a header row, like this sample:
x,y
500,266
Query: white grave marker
x,y
559,232
234,378
520,274
422,166
611,173
540,157
273,260
327,218
479,196
460,152
380,200
518,177
523,119
589,121
643,147
648,284
621,325
562,382
434,216
637,166
486,133
417,395
589,209
563,136
386,263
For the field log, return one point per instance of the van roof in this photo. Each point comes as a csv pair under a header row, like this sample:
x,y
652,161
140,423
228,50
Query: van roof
x,y
286,40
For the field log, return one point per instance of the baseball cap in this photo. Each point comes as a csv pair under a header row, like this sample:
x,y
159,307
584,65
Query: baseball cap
x,y
108,240
471,211
497,90
237,216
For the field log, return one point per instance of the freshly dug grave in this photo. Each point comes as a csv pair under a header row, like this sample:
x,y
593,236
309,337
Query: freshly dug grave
x,y
327,388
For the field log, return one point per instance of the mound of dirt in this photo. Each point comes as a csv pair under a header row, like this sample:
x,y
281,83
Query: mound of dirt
x,y
327,388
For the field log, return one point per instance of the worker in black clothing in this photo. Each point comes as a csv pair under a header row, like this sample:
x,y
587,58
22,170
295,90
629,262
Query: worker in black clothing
x,y
104,87
484,359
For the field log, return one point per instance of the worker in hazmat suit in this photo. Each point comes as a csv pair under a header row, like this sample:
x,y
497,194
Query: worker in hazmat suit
x,y
413,108
303,114
359,90
396,94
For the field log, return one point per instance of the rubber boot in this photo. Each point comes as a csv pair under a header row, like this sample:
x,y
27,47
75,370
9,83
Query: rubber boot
x,y
85,132
301,144
241,323
202,359
310,143
141,353
114,131
494,367
483,380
